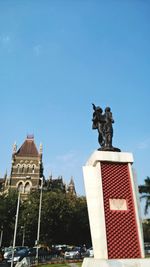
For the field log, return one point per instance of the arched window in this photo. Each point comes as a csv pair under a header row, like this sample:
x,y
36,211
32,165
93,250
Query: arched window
x,y
20,187
33,168
28,168
27,188
18,168
22,168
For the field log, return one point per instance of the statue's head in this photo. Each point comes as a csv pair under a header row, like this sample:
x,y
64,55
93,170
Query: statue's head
x,y
107,109
99,109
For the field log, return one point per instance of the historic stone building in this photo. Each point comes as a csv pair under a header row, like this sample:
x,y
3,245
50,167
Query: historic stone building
x,y
27,172
27,167
58,184
71,187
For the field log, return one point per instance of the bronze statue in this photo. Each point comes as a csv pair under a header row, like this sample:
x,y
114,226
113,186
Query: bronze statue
x,y
103,123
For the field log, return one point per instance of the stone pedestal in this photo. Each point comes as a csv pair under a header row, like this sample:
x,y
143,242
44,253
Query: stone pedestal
x,y
113,207
91,262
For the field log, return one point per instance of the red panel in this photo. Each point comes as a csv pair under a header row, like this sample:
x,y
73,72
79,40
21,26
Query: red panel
x,y
121,227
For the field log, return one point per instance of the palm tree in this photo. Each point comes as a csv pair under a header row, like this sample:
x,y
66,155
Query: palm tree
x,y
144,190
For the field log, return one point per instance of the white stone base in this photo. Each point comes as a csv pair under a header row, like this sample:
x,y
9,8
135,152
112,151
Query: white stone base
x,y
91,262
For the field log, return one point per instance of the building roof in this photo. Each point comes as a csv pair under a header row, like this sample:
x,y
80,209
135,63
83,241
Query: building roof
x,y
28,148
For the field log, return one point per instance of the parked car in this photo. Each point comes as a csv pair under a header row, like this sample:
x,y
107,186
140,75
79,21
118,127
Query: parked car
x,y
89,252
73,253
147,248
18,256
42,251
8,253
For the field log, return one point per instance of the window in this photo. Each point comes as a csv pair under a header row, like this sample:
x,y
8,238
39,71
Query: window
x,y
20,187
27,188
33,169
22,168
28,168
18,168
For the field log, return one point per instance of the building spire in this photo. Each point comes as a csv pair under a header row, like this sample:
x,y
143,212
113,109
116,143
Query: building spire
x,y
41,148
71,187
14,148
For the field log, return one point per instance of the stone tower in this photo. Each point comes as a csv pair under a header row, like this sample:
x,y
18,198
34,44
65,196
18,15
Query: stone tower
x,y
71,187
27,166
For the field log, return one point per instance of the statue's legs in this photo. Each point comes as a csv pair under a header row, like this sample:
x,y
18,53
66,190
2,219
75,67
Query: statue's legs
x,y
101,135
108,142
100,139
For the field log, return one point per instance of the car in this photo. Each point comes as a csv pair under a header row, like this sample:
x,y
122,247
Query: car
x,y
147,249
42,251
89,252
74,253
18,256
8,253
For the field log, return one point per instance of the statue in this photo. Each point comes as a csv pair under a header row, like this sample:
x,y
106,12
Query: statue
x,y
103,123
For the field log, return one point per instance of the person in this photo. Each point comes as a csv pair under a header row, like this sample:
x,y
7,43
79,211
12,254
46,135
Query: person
x,y
108,129
1,255
98,123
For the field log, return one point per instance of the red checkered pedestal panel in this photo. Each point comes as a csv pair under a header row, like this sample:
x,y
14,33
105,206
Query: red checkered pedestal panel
x,y
120,218
114,212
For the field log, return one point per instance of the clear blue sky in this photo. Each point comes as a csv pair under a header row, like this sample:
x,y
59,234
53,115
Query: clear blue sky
x,y
56,58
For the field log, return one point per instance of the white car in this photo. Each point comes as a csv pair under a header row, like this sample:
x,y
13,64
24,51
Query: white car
x,y
89,252
73,254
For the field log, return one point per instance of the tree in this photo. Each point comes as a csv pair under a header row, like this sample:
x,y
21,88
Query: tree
x,y
64,219
8,204
28,219
146,230
144,190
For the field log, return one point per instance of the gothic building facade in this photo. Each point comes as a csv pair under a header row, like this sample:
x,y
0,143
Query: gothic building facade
x,y
27,171
27,166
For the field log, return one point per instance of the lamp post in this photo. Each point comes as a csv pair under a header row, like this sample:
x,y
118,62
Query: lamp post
x,y
39,220
23,234
15,231
1,236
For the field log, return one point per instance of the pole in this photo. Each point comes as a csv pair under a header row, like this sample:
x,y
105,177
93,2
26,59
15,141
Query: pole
x,y
23,235
15,231
39,221
1,237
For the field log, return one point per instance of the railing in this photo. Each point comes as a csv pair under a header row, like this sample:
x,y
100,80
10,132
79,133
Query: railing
x,y
32,261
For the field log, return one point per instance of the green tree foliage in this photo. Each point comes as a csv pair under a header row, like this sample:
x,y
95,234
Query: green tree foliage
x,y
8,204
144,190
146,230
64,218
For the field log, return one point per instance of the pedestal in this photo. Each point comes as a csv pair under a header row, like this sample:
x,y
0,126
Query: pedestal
x,y
113,207
89,262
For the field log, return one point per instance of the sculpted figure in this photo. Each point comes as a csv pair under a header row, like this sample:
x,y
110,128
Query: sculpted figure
x,y
108,127
98,123
103,123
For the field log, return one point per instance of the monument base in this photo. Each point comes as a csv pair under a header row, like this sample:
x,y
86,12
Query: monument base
x,y
91,262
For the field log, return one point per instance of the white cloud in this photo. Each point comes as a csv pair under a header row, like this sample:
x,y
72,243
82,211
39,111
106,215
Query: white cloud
x,y
37,49
5,39
66,157
144,144
66,165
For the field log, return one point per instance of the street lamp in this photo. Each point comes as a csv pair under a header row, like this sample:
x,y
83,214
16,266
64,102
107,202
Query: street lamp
x,y
23,234
39,220
15,231
1,236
